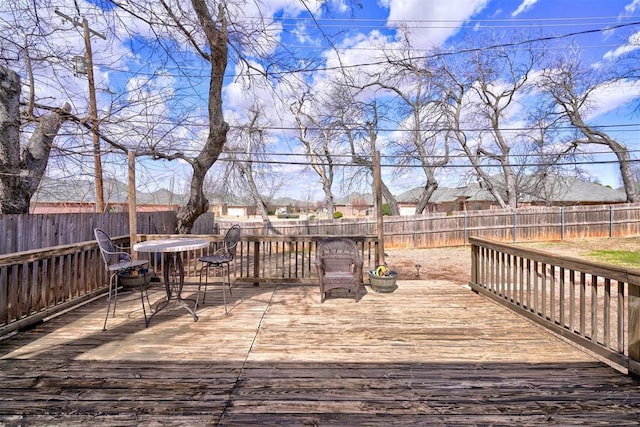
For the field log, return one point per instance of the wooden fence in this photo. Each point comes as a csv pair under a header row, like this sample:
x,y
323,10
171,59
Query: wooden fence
x,y
36,231
437,230
28,232
593,304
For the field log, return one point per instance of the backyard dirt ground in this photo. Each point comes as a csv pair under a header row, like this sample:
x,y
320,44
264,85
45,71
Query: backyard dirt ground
x,y
454,264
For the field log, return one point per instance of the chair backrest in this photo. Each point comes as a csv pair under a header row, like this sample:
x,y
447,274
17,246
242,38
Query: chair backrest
x,y
110,254
337,246
231,239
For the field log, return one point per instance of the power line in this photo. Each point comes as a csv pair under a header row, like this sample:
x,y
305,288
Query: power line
x,y
440,54
447,166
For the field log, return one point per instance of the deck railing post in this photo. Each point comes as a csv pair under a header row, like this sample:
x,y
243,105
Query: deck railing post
x,y
256,261
634,329
474,263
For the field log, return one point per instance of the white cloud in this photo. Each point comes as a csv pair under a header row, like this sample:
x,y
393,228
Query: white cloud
x,y
421,17
631,8
632,44
611,96
524,6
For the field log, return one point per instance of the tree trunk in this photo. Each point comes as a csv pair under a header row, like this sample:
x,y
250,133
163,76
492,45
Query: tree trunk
x,y
21,173
426,194
217,38
388,196
255,194
11,199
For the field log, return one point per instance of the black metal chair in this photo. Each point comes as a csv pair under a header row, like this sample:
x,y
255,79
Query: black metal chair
x,y
116,261
220,261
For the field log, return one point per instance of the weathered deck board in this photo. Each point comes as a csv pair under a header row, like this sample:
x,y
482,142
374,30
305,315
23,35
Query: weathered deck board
x,y
430,353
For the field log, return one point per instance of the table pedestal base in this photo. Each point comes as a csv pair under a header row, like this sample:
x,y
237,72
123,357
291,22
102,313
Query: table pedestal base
x,y
173,285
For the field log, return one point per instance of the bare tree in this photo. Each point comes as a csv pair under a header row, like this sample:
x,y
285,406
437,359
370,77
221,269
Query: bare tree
x,y
358,122
483,88
21,170
246,159
318,139
420,103
572,88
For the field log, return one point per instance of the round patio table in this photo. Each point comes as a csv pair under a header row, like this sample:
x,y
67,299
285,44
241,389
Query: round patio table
x,y
172,268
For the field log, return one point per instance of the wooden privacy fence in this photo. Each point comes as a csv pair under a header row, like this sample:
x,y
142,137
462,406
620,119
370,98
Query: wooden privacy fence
x,y
593,304
28,232
455,229
35,231
38,284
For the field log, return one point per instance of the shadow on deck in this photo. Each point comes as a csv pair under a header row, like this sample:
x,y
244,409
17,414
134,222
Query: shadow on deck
x,y
432,352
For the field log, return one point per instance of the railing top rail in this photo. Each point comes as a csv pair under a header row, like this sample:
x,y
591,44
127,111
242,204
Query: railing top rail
x,y
38,254
622,274
268,237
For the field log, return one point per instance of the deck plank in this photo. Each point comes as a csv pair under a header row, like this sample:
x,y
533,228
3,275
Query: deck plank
x,y
432,352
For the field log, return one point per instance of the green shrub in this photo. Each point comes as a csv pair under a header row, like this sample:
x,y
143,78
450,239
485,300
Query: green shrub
x,y
337,215
386,209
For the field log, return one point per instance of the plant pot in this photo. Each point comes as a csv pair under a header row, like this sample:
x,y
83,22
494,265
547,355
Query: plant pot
x,y
131,281
383,284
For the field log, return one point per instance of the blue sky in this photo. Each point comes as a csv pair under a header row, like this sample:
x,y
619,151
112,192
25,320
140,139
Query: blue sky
x,y
357,34
602,30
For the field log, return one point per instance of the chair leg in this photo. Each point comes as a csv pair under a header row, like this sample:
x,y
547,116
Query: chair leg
x,y
111,286
206,283
204,269
224,294
144,292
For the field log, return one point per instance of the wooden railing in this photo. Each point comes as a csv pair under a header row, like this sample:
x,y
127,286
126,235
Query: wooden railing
x,y
592,304
38,284
271,258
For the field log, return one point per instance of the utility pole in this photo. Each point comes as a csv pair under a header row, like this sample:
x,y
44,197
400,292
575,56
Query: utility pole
x,y
93,107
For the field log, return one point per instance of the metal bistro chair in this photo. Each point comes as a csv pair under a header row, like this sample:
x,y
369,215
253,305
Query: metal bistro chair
x,y
220,261
116,260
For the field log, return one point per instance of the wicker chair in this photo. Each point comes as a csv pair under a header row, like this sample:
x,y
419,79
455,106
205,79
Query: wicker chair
x,y
339,265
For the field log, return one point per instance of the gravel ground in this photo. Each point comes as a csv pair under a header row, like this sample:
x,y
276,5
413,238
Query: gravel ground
x,y
452,264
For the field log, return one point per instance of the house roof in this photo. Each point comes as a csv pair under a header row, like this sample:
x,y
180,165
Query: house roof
x,y
556,189
349,198
445,194
53,190
573,190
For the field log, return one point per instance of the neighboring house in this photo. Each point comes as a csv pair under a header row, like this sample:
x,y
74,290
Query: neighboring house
x,y
570,191
231,207
471,198
67,196
233,210
354,204
556,191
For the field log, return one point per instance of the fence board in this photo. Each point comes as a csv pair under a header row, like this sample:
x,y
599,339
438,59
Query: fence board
x,y
446,229
29,232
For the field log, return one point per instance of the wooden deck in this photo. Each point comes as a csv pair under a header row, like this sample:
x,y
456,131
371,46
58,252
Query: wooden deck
x,y
432,352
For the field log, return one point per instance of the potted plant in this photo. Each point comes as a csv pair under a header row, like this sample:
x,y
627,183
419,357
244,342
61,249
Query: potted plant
x,y
383,279
134,277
